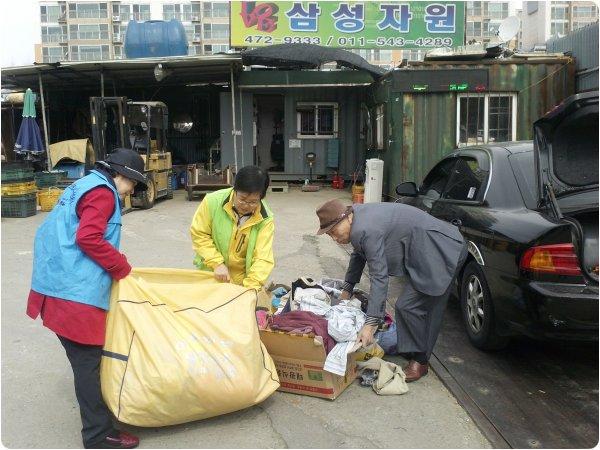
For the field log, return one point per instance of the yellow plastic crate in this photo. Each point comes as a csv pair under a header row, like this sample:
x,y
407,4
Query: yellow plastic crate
x,y
28,187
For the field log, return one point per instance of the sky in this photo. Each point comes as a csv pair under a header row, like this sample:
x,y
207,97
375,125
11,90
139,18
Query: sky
x,y
19,32
18,37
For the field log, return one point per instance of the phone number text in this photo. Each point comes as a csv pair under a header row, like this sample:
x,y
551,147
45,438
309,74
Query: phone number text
x,y
352,41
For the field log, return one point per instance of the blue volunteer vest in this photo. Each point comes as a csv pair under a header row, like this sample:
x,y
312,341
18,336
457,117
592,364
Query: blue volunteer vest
x,y
60,268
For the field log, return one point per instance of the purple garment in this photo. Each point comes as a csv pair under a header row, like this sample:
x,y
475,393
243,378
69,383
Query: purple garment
x,y
301,320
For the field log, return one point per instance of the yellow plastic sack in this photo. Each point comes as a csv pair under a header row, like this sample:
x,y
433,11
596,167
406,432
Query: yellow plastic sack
x,y
182,347
371,351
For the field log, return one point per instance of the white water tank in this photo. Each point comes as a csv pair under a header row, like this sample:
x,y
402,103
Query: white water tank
x,y
373,180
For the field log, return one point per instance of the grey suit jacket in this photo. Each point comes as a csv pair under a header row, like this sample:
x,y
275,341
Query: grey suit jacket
x,y
394,239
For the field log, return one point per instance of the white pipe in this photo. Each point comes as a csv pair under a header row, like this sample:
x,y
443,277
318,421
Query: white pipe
x,y
234,130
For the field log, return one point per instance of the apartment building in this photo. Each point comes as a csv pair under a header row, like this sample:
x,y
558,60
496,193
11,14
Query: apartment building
x,y
482,21
215,27
80,31
206,24
542,20
85,31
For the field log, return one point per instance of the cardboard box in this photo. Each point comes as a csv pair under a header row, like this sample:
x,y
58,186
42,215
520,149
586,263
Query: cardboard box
x,y
299,360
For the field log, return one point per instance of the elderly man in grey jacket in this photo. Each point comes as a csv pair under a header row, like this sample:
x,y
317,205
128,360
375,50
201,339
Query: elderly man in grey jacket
x,y
394,239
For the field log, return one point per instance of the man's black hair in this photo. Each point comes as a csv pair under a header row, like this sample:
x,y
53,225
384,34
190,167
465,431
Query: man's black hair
x,y
251,179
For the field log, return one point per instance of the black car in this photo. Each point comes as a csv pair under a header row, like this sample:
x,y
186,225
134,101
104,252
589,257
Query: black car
x,y
529,213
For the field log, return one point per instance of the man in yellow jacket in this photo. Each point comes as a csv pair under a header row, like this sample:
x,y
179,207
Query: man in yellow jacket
x,y
232,231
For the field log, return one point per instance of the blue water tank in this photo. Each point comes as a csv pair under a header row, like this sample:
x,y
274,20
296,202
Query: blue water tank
x,y
154,38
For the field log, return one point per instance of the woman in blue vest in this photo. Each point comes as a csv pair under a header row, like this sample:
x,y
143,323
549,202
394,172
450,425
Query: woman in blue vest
x,y
76,258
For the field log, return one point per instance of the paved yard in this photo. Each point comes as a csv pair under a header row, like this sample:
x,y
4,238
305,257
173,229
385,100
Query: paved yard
x,y
38,402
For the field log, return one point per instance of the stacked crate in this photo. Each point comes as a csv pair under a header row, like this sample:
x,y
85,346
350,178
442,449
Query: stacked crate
x,y
50,188
44,180
19,192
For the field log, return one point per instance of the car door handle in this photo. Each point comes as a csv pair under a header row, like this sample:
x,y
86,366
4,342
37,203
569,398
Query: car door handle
x,y
456,222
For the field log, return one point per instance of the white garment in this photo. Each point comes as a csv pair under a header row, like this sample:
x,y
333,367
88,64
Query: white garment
x,y
344,322
311,298
337,358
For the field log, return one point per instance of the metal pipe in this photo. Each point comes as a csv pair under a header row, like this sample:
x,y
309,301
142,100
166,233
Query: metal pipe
x,y
586,71
263,86
44,121
101,83
233,131
242,126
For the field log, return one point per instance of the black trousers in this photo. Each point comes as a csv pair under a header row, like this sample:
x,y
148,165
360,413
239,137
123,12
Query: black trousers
x,y
95,416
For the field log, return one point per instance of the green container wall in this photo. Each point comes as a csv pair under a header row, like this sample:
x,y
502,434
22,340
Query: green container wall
x,y
421,127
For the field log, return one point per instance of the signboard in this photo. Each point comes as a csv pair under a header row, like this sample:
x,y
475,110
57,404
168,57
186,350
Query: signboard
x,y
442,80
359,25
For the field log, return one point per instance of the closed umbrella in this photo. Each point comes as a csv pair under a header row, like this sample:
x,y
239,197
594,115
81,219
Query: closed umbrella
x,y
29,139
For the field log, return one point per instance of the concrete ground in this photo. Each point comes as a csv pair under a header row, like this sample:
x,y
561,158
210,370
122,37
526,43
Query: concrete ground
x,y
39,409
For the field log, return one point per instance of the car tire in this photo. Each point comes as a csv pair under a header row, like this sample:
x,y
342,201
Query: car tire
x,y
478,310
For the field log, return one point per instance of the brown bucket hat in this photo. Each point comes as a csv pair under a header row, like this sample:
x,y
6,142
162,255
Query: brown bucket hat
x,y
330,214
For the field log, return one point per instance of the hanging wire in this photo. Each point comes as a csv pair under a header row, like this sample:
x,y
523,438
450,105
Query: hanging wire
x,y
547,76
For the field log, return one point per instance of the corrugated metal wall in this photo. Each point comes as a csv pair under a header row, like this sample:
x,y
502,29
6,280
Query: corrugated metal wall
x,y
539,87
202,107
422,126
582,44
429,129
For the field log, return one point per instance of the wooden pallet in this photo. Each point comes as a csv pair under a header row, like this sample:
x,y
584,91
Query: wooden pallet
x,y
278,187
202,189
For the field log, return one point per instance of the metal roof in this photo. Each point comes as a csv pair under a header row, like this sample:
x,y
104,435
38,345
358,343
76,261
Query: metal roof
x,y
125,72
303,56
543,58
581,44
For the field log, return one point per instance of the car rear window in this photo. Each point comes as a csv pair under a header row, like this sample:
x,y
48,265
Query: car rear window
x,y
523,167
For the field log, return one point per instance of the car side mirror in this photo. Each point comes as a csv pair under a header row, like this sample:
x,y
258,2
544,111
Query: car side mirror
x,y
407,189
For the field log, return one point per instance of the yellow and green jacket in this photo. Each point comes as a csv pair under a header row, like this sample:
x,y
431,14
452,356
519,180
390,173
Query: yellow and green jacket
x,y
247,251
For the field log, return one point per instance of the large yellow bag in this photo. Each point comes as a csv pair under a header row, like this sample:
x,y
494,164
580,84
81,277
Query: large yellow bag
x,y
182,347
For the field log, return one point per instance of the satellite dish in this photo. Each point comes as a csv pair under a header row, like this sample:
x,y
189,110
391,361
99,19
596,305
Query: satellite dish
x,y
509,28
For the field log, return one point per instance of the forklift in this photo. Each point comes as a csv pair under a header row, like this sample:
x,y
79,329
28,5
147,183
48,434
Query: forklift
x,y
141,126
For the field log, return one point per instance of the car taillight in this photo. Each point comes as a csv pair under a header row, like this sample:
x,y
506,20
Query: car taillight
x,y
560,259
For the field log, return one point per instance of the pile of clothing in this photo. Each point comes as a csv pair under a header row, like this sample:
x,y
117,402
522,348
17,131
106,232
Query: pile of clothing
x,y
310,307
315,307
